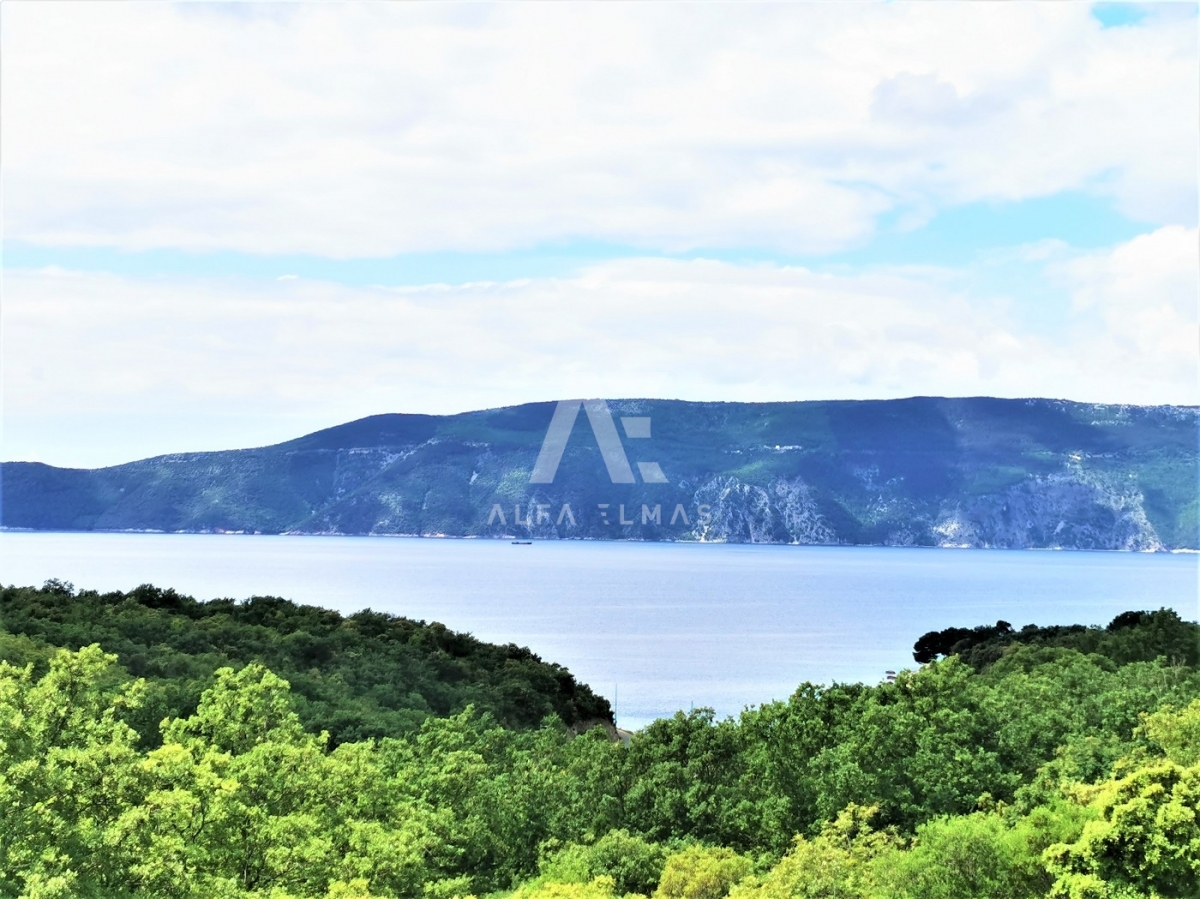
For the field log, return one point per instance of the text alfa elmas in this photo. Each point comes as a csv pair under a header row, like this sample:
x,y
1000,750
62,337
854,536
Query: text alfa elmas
x,y
539,513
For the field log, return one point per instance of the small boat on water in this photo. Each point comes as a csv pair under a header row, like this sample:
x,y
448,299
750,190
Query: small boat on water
x,y
522,543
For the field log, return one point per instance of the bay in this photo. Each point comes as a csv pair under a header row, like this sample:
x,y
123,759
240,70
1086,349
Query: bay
x,y
655,627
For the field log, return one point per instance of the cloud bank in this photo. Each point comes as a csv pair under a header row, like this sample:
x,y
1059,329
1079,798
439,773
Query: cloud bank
x,y
374,129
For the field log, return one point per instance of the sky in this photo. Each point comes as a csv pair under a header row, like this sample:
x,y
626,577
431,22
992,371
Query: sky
x,y
226,225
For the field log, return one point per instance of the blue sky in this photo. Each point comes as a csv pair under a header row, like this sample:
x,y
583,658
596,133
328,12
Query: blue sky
x,y
268,222
1117,15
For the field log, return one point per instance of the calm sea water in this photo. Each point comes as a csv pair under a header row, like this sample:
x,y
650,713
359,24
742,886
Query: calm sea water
x,y
655,627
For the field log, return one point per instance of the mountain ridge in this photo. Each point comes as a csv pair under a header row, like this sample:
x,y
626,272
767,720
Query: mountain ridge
x,y
976,472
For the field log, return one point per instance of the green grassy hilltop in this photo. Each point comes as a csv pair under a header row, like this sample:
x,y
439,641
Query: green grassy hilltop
x,y
925,471
1026,763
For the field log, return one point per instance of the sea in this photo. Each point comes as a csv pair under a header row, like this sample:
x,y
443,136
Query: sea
x,y
654,627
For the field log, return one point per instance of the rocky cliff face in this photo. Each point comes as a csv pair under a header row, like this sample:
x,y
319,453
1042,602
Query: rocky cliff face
x,y
1075,509
784,511
1071,510
951,472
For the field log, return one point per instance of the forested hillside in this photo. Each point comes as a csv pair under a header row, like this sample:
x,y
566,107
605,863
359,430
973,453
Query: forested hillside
x,y
975,472
1067,766
365,675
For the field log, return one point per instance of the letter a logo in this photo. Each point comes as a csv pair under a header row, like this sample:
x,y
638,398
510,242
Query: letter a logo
x,y
601,420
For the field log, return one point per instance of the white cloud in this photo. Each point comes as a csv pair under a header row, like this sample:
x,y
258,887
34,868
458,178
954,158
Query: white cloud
x,y
372,129
1142,297
289,356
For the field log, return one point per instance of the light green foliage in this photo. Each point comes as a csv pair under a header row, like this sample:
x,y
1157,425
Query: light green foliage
x,y
844,861
600,888
1049,772
701,872
979,856
237,800
634,864
244,709
1144,841
68,766
1178,733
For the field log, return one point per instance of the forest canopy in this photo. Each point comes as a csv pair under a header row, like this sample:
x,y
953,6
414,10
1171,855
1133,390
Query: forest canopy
x,y
358,676
1052,771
